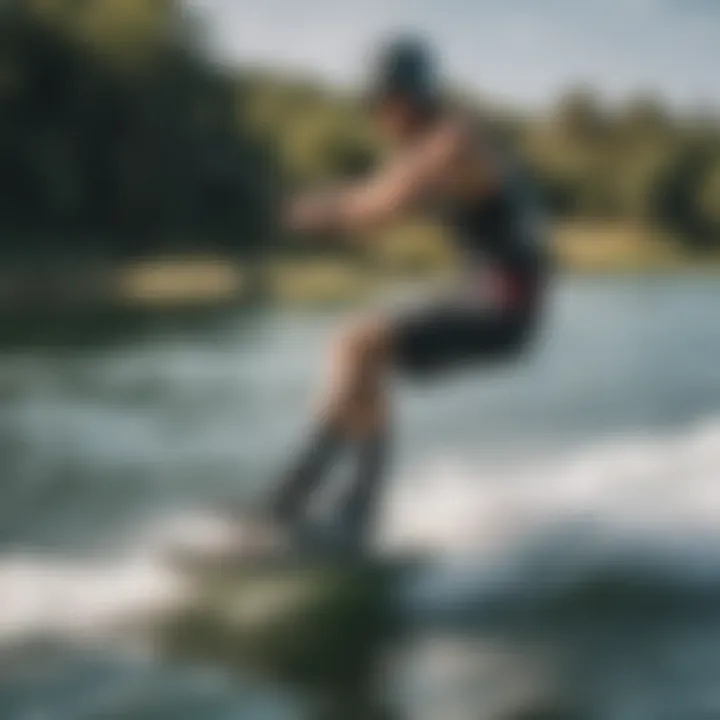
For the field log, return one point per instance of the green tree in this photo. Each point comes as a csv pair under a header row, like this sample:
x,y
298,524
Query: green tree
x,y
118,136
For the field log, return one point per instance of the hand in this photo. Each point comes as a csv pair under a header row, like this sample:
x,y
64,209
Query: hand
x,y
309,213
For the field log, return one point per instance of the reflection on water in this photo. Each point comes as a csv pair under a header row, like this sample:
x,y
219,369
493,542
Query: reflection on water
x,y
579,491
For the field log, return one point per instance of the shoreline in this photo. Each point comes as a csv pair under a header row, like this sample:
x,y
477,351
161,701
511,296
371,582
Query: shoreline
x,y
192,282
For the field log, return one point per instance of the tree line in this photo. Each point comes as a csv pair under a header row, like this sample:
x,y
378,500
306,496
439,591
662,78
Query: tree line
x,y
120,136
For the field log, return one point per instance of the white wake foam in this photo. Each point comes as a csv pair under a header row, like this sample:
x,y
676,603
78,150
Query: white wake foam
x,y
88,599
80,600
650,489
658,495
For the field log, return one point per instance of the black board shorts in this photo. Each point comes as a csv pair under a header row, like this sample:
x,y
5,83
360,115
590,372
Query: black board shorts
x,y
453,332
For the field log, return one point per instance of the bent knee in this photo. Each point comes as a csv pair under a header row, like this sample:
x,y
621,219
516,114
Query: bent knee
x,y
362,343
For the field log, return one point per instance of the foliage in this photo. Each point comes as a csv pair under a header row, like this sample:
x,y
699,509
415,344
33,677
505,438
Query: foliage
x,y
118,136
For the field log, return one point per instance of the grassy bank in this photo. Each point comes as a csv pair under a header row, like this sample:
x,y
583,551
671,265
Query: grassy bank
x,y
406,254
580,249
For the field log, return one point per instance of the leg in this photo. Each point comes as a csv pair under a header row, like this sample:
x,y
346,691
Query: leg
x,y
360,507
356,401
359,403
353,408
440,337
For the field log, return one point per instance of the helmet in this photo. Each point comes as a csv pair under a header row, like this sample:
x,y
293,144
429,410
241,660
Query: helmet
x,y
404,66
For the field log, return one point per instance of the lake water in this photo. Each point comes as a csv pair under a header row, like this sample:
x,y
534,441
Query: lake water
x,y
579,492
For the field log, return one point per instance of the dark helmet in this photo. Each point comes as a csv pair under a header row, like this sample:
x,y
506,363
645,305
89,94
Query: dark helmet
x,y
405,66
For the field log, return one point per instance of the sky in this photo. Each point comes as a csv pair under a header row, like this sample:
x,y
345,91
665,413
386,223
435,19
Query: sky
x,y
521,52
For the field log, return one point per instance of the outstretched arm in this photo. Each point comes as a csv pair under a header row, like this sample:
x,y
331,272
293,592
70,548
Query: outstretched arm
x,y
393,190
